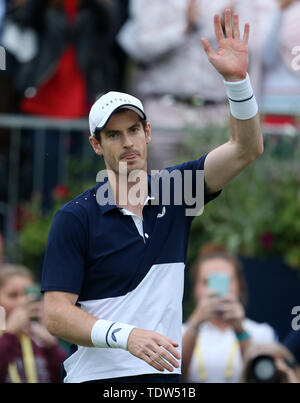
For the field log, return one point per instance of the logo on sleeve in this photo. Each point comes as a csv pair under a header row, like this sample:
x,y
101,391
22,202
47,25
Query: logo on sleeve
x,y
163,212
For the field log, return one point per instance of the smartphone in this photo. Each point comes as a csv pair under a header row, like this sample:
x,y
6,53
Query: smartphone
x,y
34,292
219,282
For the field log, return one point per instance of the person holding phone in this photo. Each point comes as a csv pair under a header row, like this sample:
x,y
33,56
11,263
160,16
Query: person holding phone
x,y
217,333
29,353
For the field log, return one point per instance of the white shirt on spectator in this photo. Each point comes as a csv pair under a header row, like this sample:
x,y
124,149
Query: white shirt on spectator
x,y
218,351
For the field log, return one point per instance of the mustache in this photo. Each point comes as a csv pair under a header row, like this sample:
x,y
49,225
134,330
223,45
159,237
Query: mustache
x,y
129,153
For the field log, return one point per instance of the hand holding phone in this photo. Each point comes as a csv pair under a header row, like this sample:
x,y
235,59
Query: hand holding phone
x,y
219,282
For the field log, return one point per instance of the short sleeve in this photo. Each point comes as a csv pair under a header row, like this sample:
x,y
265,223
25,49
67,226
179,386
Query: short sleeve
x,y
65,257
193,183
199,165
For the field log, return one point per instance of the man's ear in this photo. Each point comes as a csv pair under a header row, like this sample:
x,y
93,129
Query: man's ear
x,y
96,145
148,133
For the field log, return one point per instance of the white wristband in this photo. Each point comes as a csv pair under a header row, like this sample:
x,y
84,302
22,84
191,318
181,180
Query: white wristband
x,y
242,100
107,334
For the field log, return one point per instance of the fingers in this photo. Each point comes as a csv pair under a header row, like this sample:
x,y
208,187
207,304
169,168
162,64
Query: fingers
x,y
228,25
207,47
236,26
151,362
231,310
229,298
159,357
34,310
246,33
157,350
232,30
171,348
218,28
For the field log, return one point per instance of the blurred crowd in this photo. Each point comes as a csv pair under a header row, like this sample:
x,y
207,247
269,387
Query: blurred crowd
x,y
220,344
62,54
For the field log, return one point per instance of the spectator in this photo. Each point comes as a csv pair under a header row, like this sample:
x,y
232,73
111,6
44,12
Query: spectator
x,y
281,72
29,354
178,85
257,13
217,333
269,363
17,47
119,56
64,77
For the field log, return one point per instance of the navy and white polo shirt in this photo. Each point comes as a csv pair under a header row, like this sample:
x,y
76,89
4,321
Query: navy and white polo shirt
x,y
119,273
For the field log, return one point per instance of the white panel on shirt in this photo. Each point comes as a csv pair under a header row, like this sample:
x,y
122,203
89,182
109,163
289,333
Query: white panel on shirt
x,y
216,345
155,304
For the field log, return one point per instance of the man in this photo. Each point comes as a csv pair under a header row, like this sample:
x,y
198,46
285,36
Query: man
x,y
123,262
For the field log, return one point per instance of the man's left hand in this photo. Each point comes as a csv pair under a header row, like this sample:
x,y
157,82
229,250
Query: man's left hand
x,y
231,59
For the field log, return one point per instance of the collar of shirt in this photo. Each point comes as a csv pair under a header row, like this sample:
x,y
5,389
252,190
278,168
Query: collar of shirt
x,y
108,207
127,212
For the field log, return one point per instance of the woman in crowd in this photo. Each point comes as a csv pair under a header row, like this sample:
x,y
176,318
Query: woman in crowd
x,y
29,354
217,333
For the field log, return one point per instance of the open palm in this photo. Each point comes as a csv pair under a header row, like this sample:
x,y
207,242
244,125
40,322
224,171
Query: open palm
x,y
231,59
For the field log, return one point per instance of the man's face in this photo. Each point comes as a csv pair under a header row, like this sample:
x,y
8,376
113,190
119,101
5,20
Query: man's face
x,y
124,140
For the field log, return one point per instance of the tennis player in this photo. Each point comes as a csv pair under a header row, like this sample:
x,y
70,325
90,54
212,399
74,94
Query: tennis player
x,y
113,272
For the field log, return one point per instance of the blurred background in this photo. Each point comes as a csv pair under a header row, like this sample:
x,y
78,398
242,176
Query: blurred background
x,y
61,55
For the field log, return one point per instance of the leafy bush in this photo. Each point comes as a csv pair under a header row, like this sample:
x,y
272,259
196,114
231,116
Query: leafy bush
x,y
34,222
258,213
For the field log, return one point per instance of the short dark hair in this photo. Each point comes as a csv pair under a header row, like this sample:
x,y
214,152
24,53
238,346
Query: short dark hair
x,y
97,132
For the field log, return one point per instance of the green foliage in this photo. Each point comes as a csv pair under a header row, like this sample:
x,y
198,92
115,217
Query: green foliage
x,y
258,213
35,222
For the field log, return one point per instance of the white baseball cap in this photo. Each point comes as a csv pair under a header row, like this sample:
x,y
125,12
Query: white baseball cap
x,y
107,104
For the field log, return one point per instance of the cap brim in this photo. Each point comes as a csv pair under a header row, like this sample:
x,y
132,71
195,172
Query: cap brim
x,y
136,109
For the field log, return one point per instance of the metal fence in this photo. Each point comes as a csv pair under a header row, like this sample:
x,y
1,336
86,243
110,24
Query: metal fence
x,y
17,125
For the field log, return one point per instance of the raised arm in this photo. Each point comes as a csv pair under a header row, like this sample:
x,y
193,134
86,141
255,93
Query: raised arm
x,y
246,141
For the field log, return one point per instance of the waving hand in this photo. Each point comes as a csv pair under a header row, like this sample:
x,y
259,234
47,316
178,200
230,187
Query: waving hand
x,y
231,59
